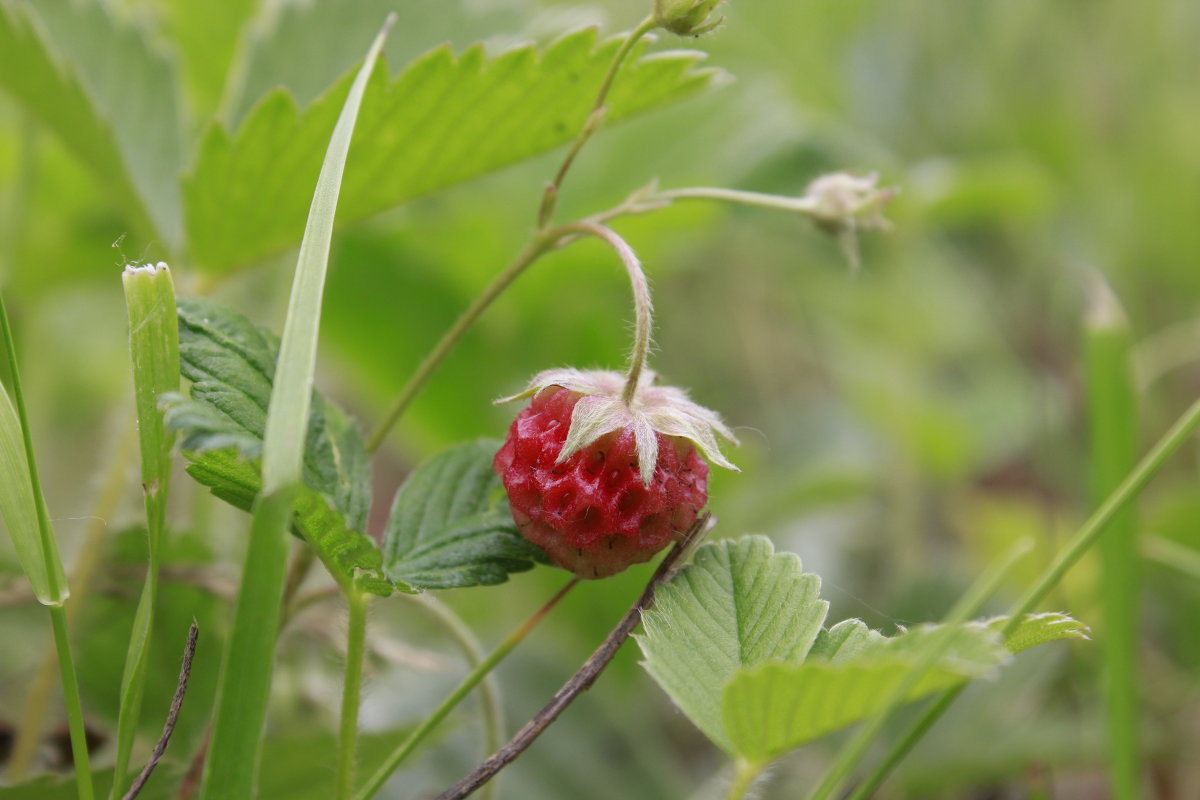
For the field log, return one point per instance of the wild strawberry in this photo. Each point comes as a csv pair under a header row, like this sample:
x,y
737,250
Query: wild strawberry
x,y
600,483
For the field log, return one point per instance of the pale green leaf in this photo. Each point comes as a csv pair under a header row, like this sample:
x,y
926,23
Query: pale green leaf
x,y
738,605
449,526
235,751
50,91
19,510
132,88
445,118
778,707
231,363
1035,629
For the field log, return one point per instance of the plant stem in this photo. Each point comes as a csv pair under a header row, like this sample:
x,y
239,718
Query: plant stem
x,y
855,748
58,616
70,684
87,558
595,116
1112,424
744,774
802,205
357,604
643,308
489,692
537,246
584,677
1083,539
480,671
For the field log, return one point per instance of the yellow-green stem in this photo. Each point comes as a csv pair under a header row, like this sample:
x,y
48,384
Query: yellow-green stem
x,y
1080,543
476,675
745,773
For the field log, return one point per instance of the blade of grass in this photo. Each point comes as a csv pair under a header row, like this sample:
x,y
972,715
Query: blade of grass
x,y
1080,543
232,766
1112,429
28,521
154,351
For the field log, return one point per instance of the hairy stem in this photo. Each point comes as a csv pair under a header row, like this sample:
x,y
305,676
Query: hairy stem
x,y
583,679
356,636
643,308
1080,543
745,773
550,197
480,671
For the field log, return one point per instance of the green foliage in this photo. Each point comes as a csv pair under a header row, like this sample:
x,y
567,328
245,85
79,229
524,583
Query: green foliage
x,y
18,506
231,769
449,526
230,363
130,88
1035,629
445,118
736,639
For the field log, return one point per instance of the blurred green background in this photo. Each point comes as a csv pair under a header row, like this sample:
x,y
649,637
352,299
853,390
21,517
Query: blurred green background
x,y
900,426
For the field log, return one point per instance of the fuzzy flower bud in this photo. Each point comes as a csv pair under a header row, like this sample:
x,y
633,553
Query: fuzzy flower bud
x,y
841,201
686,17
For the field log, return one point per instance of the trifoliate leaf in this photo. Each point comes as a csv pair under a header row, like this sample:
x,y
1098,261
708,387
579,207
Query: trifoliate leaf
x,y
738,605
736,640
230,363
778,707
445,118
450,527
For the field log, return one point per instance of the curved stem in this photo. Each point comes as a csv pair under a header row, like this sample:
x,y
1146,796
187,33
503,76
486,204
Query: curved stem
x,y
472,650
536,248
1084,538
643,308
406,747
356,636
744,775
550,197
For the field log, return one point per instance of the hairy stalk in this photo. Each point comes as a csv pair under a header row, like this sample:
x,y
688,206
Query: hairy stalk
x,y
801,205
745,773
87,559
643,309
595,117
357,604
856,747
58,616
583,679
1080,543
480,671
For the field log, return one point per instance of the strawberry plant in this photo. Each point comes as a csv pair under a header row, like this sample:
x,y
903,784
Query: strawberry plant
x,y
287,510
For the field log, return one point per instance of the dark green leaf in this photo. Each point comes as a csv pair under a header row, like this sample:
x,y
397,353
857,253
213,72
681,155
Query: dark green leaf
x,y
448,526
230,363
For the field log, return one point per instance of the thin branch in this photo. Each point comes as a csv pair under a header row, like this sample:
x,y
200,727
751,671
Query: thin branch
x,y
185,672
582,680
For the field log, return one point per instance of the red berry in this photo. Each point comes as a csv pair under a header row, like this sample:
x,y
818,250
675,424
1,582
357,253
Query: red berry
x,y
592,512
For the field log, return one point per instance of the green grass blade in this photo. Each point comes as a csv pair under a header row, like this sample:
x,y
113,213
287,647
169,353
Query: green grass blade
x,y
23,465
1112,431
154,350
235,750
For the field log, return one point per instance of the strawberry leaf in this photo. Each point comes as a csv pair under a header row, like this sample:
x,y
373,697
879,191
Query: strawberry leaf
x,y
445,118
450,526
736,640
230,363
